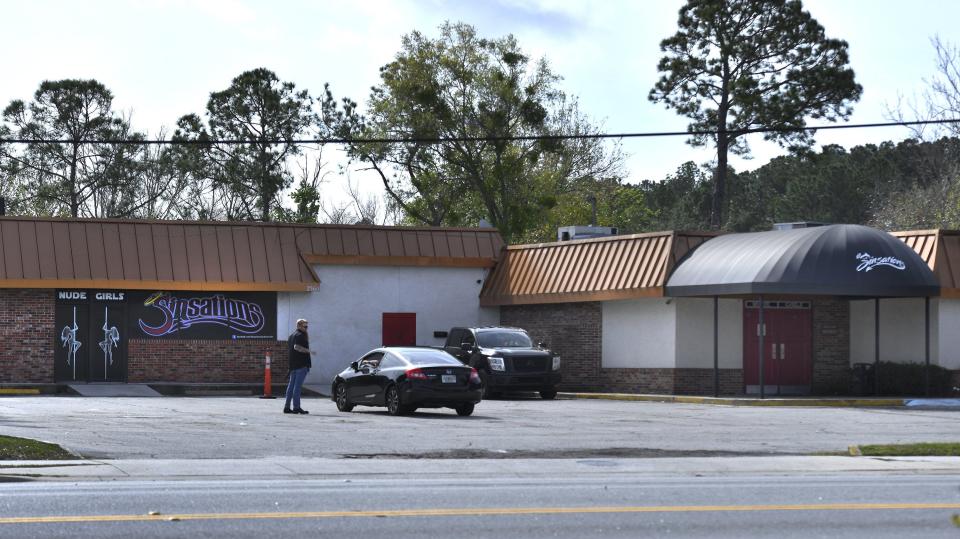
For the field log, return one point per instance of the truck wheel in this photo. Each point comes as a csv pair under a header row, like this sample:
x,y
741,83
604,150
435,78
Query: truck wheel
x,y
488,392
548,394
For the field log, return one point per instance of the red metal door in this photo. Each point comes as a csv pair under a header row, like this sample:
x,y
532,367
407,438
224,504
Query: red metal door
x,y
787,345
795,343
399,329
751,369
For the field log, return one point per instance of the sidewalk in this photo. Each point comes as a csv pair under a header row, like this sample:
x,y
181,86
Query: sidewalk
x,y
323,391
750,400
477,469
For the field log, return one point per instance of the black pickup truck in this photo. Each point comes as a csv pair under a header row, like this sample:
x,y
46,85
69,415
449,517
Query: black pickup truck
x,y
506,359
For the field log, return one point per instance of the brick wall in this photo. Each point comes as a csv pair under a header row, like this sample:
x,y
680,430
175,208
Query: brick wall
x,y
199,361
574,331
569,329
700,381
26,336
659,381
831,347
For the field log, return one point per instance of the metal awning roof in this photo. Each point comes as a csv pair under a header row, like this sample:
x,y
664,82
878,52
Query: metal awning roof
x,y
940,249
834,260
596,269
40,252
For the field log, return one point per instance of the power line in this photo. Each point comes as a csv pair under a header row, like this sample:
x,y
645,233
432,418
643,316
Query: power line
x,y
437,140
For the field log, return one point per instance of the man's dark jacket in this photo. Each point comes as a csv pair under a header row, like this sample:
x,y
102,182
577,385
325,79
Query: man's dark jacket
x,y
298,360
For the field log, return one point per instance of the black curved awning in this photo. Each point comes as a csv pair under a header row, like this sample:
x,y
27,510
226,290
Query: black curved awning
x,y
833,260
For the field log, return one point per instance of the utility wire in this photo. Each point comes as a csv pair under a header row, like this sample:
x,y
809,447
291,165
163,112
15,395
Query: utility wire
x,y
437,140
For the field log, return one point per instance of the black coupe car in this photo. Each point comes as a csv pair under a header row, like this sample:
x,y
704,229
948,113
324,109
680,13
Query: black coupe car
x,y
404,379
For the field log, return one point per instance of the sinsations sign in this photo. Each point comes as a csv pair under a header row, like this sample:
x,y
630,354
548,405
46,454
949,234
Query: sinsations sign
x,y
179,313
193,315
868,262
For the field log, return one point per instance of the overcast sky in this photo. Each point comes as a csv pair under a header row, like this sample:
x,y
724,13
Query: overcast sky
x,y
162,58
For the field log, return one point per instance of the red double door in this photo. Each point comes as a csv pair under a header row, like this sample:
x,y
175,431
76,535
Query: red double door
x,y
787,346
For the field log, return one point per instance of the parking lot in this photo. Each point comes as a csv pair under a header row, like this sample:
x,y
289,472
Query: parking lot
x,y
247,427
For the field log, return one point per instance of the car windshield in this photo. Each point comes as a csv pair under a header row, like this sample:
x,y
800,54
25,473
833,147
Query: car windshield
x,y
503,339
428,357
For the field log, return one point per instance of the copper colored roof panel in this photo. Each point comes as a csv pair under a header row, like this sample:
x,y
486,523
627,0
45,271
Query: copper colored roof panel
x,y
403,246
940,249
29,252
85,253
618,267
179,255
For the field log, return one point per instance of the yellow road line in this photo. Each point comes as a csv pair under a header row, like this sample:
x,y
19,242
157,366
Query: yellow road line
x,y
480,512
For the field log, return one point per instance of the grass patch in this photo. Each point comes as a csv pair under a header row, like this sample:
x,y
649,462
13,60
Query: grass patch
x,y
13,448
939,449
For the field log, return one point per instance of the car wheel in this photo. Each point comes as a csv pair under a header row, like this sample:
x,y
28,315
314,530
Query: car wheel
x,y
343,404
394,406
548,394
464,409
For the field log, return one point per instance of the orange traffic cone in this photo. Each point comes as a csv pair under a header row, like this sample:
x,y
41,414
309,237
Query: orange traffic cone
x,y
267,386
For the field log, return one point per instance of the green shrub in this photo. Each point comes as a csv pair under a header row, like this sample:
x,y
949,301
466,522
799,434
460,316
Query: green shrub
x,y
906,379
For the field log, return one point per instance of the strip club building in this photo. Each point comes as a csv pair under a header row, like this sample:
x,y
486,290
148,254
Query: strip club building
x,y
175,304
680,312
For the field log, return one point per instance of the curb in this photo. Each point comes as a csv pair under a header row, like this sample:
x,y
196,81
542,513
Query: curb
x,y
740,401
285,468
19,391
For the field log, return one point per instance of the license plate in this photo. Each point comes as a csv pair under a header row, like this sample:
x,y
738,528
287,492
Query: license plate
x,y
449,378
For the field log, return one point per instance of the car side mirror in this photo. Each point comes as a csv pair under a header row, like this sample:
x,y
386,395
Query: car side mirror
x,y
354,366
541,345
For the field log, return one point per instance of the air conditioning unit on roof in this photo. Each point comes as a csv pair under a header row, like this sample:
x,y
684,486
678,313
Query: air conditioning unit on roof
x,y
567,233
798,224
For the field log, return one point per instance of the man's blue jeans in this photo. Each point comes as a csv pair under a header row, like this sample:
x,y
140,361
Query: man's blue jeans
x,y
297,376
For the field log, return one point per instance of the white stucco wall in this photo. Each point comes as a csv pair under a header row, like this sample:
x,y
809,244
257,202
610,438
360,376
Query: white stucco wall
x,y
639,333
345,311
902,330
947,330
695,333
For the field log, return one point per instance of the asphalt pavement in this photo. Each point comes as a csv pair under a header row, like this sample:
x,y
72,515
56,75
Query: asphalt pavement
x,y
585,501
248,427
523,467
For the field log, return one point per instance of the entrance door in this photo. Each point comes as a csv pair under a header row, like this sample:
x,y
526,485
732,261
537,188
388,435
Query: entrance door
x,y
399,329
71,343
788,346
108,350
90,342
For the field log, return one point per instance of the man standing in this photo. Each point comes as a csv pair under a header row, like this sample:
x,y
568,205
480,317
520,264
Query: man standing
x,y
298,346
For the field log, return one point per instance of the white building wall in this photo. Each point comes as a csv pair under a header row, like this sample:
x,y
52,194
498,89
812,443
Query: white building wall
x,y
345,311
694,333
947,330
902,330
639,333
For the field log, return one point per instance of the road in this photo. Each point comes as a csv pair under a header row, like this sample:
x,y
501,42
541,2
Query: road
x,y
238,467
413,504
248,428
